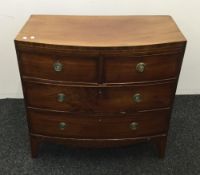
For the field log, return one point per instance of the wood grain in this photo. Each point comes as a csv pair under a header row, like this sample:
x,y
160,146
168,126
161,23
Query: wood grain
x,y
99,55
47,124
100,31
82,68
91,68
87,99
120,68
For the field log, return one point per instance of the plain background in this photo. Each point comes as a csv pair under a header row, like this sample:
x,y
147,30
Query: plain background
x,y
14,13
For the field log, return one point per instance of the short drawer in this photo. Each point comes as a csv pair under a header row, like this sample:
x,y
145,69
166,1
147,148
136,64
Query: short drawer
x,y
145,68
122,99
75,68
69,126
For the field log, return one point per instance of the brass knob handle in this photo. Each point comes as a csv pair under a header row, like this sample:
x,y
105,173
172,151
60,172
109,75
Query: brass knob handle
x,y
57,66
137,98
134,126
123,112
62,125
61,97
140,67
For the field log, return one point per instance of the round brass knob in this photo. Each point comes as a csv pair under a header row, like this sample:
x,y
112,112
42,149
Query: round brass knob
x,y
57,66
140,67
123,112
137,98
134,126
60,97
62,125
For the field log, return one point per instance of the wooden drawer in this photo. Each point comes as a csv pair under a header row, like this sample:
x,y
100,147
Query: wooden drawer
x,y
84,68
63,125
77,68
99,99
120,69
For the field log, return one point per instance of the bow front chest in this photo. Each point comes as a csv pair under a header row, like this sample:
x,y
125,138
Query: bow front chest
x,y
99,81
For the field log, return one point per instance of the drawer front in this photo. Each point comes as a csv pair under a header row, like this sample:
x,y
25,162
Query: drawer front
x,y
147,68
63,125
99,99
61,68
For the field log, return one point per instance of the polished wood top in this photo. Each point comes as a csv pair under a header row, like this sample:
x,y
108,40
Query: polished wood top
x,y
100,31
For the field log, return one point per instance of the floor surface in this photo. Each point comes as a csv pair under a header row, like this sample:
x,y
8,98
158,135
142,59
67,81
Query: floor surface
x,y
182,155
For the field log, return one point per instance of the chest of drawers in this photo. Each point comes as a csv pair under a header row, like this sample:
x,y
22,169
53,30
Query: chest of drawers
x,y
92,81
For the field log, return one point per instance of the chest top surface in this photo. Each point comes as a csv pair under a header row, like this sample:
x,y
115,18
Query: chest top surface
x,y
100,31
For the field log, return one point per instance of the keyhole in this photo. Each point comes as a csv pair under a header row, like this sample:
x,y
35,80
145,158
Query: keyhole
x,y
100,92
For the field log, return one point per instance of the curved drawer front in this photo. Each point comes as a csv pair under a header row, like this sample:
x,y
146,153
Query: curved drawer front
x,y
62,125
146,68
60,68
99,99
87,68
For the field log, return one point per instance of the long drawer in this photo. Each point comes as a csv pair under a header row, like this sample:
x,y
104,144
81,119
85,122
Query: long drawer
x,y
113,99
60,124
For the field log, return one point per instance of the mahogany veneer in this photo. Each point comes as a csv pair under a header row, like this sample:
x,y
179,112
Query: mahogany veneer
x,y
99,81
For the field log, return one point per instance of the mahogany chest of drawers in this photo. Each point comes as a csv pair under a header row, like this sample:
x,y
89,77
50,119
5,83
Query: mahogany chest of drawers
x,y
99,81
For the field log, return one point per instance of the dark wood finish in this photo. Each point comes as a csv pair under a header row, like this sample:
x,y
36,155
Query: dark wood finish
x,y
99,56
80,68
112,99
96,143
106,69
47,123
120,69
101,70
138,51
35,145
160,143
